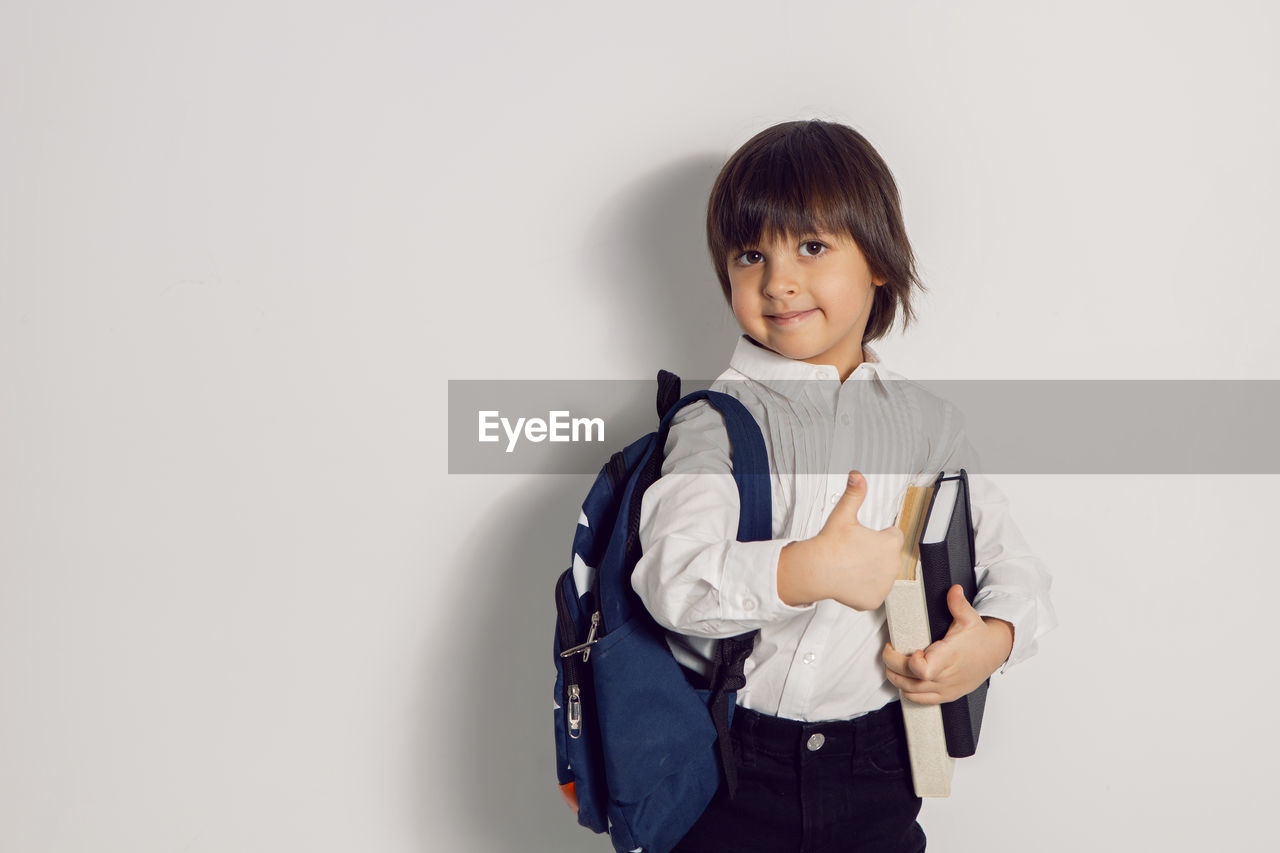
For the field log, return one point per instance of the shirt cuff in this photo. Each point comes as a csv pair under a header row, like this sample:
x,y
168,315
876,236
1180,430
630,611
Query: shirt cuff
x,y
749,591
1019,612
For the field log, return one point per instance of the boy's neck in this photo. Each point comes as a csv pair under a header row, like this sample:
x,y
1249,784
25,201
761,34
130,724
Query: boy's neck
x,y
863,358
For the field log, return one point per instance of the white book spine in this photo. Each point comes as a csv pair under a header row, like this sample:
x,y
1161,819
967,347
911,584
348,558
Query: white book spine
x,y
931,766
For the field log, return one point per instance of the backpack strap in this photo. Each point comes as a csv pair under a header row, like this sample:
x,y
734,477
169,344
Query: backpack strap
x,y
750,461
668,392
750,470
728,676
755,523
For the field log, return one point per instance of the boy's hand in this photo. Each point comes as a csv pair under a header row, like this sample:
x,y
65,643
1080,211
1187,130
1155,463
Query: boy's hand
x,y
955,665
847,562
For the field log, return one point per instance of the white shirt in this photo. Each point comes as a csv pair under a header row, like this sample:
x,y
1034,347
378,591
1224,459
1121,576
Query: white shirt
x,y
821,661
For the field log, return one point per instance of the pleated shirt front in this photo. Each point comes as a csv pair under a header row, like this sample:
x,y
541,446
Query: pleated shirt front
x,y
821,661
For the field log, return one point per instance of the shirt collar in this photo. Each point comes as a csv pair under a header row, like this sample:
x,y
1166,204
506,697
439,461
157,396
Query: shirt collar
x,y
787,375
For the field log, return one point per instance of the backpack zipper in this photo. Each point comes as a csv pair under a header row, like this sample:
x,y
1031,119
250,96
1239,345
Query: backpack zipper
x,y
574,707
569,658
585,648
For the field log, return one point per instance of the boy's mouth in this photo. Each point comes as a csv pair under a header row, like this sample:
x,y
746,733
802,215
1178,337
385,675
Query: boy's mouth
x,y
790,318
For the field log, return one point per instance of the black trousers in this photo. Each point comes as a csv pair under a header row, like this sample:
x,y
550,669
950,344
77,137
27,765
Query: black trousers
x,y
814,787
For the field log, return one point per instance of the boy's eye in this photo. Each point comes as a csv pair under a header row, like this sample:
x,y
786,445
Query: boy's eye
x,y
751,256
812,248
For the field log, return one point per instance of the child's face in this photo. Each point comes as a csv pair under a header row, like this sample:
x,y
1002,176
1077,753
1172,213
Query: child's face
x,y
806,297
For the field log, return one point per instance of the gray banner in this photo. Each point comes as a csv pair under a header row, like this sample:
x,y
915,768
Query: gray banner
x,y
1017,426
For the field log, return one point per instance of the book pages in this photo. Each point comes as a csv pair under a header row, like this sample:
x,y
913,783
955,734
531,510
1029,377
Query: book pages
x,y
931,766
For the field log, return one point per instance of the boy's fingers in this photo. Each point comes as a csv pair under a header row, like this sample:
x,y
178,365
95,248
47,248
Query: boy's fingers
x,y
894,660
920,691
921,671
928,698
961,610
908,684
919,666
855,491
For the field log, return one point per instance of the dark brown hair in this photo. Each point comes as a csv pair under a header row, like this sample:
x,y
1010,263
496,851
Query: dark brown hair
x,y
801,176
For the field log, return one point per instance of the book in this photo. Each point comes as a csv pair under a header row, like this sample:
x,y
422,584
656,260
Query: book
x,y
937,528
947,558
931,765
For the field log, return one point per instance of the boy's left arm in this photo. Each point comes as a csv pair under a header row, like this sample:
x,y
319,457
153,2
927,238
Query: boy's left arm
x,y
1010,612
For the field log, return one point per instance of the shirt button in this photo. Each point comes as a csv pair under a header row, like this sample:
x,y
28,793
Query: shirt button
x,y
749,604
835,497
845,419
815,742
810,658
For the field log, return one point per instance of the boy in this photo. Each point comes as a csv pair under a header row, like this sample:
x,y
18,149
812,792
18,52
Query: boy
x,y
807,238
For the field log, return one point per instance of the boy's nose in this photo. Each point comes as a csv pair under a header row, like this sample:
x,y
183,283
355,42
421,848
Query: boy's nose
x,y
779,281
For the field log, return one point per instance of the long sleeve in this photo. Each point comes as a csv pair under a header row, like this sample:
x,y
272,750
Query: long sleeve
x,y
1013,583
694,577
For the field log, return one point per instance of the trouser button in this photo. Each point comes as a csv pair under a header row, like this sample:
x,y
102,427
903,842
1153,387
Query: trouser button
x,y
815,742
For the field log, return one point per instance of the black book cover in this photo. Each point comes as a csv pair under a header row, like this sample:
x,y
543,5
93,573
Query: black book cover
x,y
942,564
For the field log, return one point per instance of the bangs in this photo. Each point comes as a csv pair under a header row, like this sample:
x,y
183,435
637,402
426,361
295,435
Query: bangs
x,y
794,185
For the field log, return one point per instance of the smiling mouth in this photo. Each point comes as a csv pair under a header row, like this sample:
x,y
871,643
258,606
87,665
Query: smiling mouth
x,y
790,318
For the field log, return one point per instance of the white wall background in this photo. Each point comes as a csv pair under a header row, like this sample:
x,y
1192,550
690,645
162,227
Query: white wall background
x,y
244,245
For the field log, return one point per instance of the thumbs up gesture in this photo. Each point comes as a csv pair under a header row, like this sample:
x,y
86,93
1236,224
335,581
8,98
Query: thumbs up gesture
x,y
846,561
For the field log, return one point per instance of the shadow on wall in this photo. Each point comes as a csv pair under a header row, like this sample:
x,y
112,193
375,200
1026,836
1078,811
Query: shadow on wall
x,y
499,749
648,250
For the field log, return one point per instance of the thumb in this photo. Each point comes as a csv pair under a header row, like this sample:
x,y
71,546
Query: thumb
x,y
962,611
855,492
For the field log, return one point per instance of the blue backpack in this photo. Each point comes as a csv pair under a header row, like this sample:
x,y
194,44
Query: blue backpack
x,y
636,733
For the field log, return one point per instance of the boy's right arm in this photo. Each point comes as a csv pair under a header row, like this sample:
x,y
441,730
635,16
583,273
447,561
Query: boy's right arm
x,y
696,579
693,575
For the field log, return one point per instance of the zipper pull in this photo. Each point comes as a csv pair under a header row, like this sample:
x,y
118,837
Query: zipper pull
x,y
591,635
585,648
575,712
